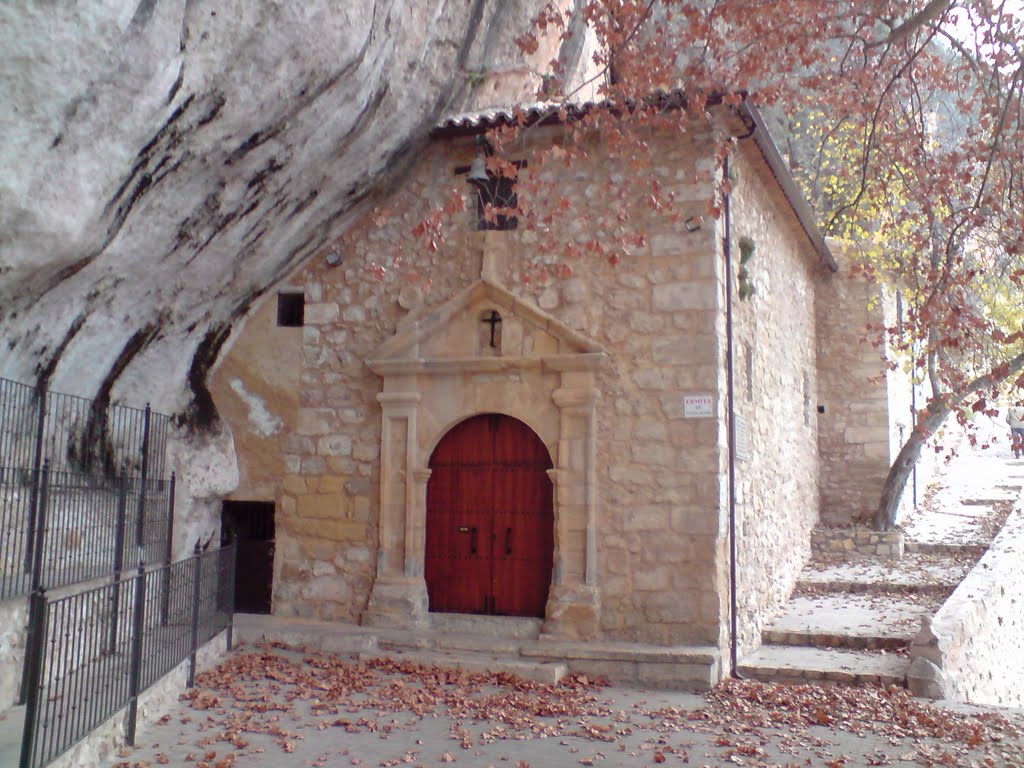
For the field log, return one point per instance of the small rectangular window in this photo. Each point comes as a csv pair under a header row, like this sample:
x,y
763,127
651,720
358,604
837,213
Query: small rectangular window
x,y
291,309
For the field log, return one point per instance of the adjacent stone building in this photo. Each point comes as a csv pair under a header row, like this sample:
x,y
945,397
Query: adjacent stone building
x,y
449,437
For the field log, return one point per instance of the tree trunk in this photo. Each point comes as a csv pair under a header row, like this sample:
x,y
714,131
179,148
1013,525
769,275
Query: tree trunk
x,y
896,481
936,412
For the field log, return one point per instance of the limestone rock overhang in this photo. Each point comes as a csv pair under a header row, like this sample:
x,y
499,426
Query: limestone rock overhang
x,y
401,354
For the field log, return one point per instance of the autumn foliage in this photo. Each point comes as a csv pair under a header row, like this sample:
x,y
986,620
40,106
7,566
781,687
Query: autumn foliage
x,y
902,121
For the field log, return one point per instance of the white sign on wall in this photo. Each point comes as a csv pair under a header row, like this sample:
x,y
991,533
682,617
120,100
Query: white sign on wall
x,y
698,406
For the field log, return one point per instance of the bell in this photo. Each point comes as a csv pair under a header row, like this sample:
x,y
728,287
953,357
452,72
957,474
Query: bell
x,y
478,170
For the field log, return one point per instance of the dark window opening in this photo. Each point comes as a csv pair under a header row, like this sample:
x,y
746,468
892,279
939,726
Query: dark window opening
x,y
291,310
496,192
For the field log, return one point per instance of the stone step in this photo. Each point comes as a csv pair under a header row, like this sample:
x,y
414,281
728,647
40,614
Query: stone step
x,y
303,633
810,638
938,548
429,640
915,573
854,587
862,622
681,667
478,663
793,664
509,627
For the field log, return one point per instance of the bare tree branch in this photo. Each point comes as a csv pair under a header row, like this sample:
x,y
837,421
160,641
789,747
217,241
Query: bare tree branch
x,y
926,15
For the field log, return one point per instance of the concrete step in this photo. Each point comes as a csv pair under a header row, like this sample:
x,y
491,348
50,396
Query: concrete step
x,y
478,663
792,664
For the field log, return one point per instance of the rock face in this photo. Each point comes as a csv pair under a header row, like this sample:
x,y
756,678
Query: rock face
x,y
164,163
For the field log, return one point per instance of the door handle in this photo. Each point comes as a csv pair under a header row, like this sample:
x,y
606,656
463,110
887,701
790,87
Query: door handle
x,y
508,541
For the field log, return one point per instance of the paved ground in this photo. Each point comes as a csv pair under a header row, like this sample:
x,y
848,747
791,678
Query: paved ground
x,y
280,707
957,509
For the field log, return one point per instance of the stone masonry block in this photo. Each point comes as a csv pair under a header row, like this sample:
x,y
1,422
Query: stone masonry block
x,y
649,519
334,445
658,454
321,314
319,505
331,530
672,297
315,421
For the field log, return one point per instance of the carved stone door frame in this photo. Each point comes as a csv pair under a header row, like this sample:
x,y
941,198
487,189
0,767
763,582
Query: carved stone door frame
x,y
422,397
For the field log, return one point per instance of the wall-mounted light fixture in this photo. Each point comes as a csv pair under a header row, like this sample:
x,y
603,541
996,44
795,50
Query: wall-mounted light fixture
x,y
332,258
694,223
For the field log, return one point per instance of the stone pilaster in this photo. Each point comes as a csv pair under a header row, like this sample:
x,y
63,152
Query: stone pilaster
x,y
399,596
573,609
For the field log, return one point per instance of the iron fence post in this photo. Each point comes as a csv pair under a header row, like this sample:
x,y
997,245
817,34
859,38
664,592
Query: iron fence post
x,y
135,670
35,653
232,559
119,526
37,566
197,574
37,466
165,593
40,531
139,538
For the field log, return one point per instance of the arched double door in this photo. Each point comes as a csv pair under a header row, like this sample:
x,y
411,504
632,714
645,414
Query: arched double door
x,y
489,520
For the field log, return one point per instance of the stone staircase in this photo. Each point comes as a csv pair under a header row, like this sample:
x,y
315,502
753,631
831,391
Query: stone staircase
x,y
852,618
486,644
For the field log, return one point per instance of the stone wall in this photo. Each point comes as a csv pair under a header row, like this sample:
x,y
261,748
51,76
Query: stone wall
x,y
13,620
661,544
854,438
972,649
852,540
775,386
658,484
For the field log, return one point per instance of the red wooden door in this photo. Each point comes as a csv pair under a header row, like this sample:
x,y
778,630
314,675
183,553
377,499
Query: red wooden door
x,y
490,520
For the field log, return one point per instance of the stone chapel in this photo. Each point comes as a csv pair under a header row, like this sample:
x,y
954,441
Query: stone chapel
x,y
626,464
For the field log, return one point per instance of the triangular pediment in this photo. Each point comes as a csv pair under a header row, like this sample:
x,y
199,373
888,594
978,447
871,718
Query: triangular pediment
x,y
460,330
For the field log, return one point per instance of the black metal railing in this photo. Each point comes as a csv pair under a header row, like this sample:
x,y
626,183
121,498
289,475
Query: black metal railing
x,y
77,434
93,653
59,528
